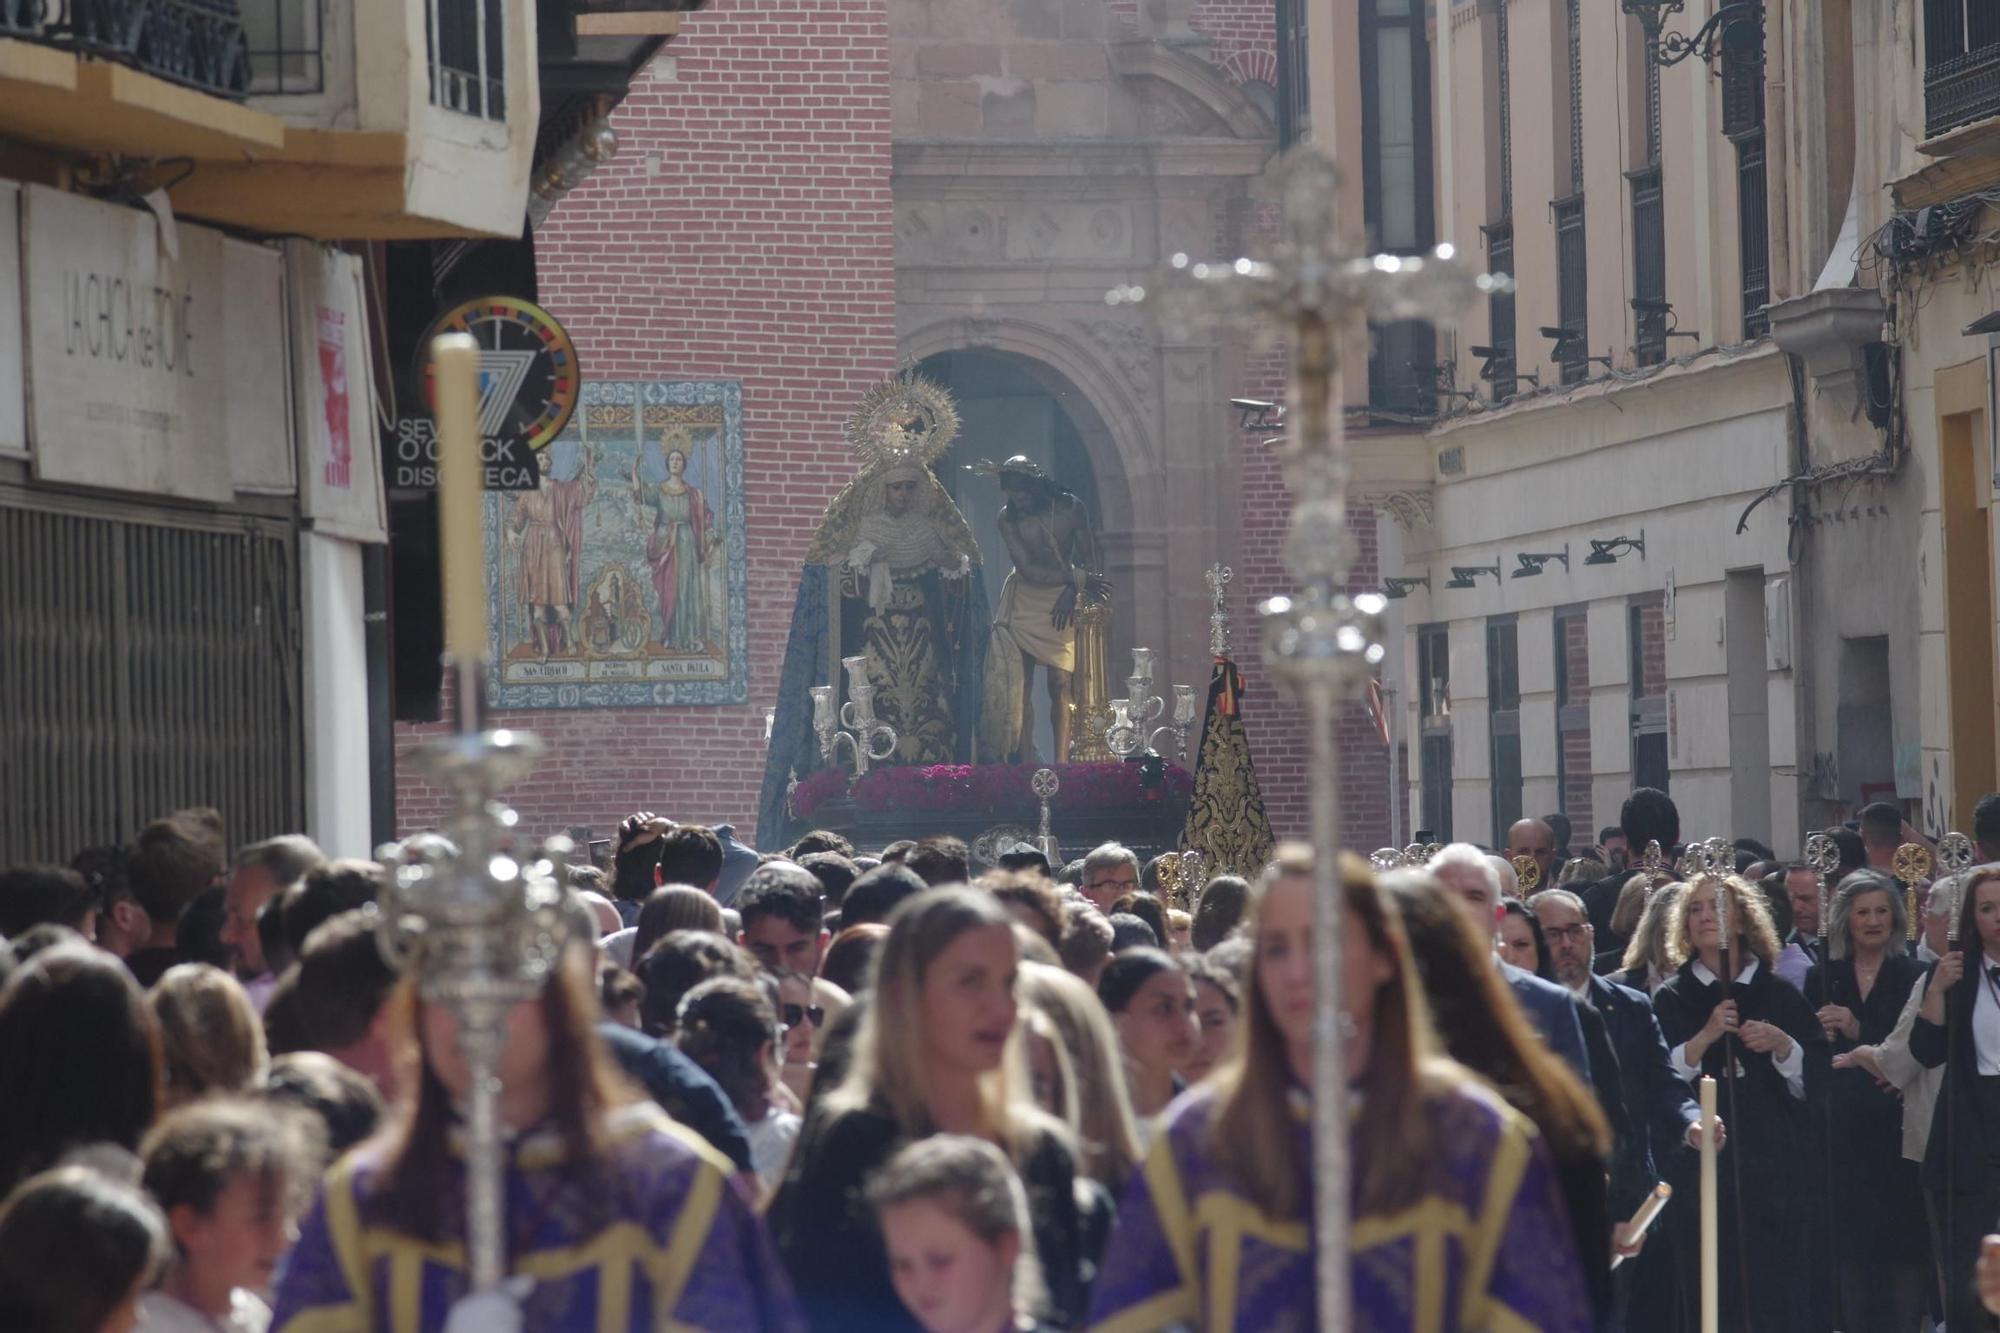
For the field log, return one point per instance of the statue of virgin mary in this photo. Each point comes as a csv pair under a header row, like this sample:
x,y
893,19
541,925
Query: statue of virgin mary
x,y
892,575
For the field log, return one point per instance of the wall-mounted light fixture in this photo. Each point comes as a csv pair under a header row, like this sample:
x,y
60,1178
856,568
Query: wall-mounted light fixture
x,y
1398,588
1569,349
1607,550
1735,28
1254,416
1466,576
1532,562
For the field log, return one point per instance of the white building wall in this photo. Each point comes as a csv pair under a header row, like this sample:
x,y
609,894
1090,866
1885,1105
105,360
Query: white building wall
x,y
1680,457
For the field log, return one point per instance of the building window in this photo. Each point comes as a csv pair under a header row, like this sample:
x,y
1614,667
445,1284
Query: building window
x,y
1647,636
284,38
1961,63
1649,228
1396,191
1499,370
1294,106
1649,268
1503,711
1753,232
1573,772
1500,312
1434,730
467,54
1572,290
1743,122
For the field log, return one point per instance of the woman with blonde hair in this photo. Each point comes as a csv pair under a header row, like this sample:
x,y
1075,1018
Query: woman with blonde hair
x,y
1096,1104
937,1053
1631,904
1752,1033
1227,1186
210,1034
1649,960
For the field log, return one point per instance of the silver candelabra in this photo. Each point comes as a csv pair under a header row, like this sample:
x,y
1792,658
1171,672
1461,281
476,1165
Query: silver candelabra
x,y
867,736
1131,716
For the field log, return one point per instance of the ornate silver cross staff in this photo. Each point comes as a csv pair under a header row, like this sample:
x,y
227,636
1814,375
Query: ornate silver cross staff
x,y
1219,577
1323,643
1045,784
472,915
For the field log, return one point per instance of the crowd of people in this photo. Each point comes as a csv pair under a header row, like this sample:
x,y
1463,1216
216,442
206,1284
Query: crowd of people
x,y
830,1090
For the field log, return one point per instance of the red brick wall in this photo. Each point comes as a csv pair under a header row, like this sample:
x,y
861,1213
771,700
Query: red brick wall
x,y
744,232
1232,25
1276,725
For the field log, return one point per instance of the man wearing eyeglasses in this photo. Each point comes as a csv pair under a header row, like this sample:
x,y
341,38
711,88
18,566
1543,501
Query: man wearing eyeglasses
x,y
1659,1112
1109,873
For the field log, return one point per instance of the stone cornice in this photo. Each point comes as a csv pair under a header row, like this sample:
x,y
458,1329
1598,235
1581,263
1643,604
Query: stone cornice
x,y
1068,159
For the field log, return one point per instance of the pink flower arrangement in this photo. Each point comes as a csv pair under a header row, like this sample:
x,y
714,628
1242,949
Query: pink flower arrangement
x,y
1000,789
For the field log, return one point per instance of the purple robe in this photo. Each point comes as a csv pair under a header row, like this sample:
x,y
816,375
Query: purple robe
x,y
1487,1250
684,1248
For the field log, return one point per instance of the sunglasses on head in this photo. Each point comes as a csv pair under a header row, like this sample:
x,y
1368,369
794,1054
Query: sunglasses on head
x,y
795,1014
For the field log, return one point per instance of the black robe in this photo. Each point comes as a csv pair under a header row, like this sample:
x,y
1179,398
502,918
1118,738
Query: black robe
x,y
1961,1169
1767,1153
1877,1212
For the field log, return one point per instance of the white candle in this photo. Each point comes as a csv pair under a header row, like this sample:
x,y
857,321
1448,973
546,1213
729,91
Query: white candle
x,y
461,493
1711,1288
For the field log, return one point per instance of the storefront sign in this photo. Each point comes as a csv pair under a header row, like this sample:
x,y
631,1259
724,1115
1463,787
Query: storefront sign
x,y
340,484
410,449
128,349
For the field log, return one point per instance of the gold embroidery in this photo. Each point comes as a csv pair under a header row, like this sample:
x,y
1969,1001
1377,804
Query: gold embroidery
x,y
1226,821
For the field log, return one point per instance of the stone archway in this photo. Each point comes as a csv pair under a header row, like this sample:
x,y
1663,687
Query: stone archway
x,y
1141,502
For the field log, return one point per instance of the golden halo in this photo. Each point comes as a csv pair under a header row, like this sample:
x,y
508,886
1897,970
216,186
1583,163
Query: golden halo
x,y
907,420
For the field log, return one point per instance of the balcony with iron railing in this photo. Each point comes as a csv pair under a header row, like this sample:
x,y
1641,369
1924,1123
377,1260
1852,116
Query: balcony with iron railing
x,y
404,119
195,43
1961,63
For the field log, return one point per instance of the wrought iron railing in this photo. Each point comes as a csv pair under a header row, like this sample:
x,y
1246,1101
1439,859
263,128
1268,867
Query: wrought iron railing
x,y
1500,311
194,42
1961,63
1753,233
1402,368
1961,90
467,56
1572,290
1649,268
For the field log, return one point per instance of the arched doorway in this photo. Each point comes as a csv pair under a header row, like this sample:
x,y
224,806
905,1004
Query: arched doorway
x,y
1010,404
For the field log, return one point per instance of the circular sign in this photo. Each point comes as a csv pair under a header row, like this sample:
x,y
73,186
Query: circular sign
x,y
528,378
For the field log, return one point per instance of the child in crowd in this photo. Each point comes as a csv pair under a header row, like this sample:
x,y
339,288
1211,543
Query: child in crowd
x,y
961,1253
76,1250
729,1027
231,1175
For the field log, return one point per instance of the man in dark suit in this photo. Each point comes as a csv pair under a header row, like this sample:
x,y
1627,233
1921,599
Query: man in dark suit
x,y
1660,1114
1465,870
